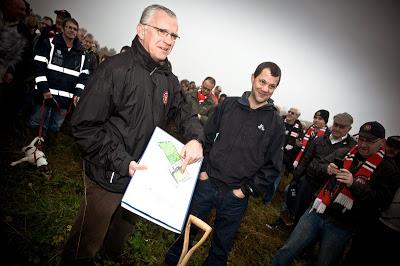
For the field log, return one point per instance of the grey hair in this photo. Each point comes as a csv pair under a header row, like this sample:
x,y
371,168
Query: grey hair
x,y
90,36
149,11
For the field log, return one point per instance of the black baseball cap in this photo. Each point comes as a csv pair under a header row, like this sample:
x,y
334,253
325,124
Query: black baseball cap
x,y
372,131
64,13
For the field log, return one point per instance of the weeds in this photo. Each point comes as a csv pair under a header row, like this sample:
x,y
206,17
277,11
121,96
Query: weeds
x,y
37,215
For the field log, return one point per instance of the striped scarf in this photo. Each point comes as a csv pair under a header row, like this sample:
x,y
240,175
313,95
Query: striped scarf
x,y
309,134
338,192
200,97
295,131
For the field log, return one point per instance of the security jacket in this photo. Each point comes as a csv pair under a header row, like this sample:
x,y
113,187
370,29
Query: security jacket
x,y
61,71
125,99
243,147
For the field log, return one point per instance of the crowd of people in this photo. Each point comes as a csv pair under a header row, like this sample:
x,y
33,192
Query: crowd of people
x,y
343,188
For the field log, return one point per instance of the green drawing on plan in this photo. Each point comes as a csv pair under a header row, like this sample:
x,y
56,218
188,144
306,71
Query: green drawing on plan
x,y
174,160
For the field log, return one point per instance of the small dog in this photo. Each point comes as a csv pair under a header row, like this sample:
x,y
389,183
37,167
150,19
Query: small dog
x,y
33,155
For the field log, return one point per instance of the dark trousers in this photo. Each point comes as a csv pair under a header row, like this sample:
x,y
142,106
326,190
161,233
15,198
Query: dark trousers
x,y
304,197
101,222
208,194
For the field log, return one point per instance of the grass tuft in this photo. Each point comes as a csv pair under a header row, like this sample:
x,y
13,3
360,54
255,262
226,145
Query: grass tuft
x,y
37,215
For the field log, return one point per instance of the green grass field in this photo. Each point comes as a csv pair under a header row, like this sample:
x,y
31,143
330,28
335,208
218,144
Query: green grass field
x,y
37,215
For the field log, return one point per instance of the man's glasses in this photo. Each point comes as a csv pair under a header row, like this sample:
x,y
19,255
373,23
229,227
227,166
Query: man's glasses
x,y
164,33
291,112
71,28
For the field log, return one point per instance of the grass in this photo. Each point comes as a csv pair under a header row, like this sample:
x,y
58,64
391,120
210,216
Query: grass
x,y
37,214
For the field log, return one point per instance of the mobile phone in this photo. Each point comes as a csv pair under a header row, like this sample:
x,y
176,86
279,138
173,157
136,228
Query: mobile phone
x,y
338,162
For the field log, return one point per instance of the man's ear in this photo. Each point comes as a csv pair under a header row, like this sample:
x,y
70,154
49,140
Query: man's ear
x,y
140,31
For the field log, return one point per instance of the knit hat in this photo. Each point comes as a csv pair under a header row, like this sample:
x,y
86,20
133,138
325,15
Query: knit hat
x,y
322,113
372,131
343,119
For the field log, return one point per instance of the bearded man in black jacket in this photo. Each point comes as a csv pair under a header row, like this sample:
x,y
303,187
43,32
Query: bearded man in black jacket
x,y
125,99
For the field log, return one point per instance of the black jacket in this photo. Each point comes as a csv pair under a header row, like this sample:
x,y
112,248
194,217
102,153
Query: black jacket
x,y
310,163
125,99
243,147
290,149
64,73
369,199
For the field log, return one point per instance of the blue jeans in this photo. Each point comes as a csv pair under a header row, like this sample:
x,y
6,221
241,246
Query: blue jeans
x,y
208,194
271,189
311,228
52,118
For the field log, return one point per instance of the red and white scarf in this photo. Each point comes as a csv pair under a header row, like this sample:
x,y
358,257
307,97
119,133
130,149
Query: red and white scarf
x,y
338,192
310,133
200,97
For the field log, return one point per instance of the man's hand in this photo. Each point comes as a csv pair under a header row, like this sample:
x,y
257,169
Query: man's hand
x,y
133,166
47,95
332,169
203,176
76,100
192,152
344,176
238,193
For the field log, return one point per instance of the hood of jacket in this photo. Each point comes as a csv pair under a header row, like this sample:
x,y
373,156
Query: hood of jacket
x,y
244,101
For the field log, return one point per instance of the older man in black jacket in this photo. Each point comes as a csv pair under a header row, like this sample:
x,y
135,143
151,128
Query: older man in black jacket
x,y
126,98
310,170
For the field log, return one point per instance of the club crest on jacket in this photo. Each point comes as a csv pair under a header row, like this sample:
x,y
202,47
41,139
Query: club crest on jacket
x,y
165,97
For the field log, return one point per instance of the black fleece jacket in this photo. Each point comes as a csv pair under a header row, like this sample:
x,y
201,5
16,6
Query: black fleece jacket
x,y
243,147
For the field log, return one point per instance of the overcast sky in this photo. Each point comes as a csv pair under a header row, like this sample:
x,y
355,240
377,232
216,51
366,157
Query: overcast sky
x,y
341,55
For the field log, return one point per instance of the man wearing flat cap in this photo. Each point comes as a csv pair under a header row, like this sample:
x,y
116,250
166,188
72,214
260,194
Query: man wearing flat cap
x,y
348,203
310,170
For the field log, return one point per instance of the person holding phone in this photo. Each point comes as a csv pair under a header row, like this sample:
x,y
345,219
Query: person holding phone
x,y
313,177
349,201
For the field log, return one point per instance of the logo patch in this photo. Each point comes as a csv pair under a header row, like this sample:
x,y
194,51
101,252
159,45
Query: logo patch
x,y
261,127
165,97
367,127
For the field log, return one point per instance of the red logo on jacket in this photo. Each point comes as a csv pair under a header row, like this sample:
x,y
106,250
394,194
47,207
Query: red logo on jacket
x,y
165,97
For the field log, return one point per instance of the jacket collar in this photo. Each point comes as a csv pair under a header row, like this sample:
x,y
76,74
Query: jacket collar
x,y
147,62
59,41
244,101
